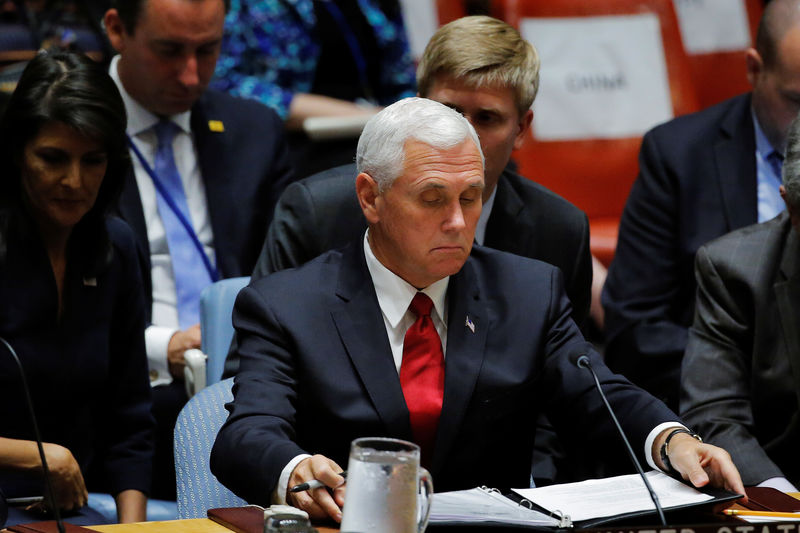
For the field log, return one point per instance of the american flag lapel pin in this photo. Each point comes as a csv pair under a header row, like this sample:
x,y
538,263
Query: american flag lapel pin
x,y
470,324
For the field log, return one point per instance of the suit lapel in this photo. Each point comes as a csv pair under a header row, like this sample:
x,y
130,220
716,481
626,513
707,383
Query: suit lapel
x,y
505,214
734,154
213,153
463,359
361,328
787,294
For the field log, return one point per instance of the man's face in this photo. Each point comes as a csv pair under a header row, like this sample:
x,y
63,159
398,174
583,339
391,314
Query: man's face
x,y
776,90
422,227
169,59
492,111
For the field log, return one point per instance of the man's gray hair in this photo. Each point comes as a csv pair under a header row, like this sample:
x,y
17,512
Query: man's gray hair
x,y
791,164
381,147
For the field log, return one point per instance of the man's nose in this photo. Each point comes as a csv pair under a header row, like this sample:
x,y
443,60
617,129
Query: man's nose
x,y
455,218
189,76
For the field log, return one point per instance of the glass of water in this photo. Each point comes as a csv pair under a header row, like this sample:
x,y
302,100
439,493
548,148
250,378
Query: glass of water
x,y
387,490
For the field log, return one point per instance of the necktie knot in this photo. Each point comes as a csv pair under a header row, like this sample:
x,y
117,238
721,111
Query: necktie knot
x,y
165,132
775,159
421,305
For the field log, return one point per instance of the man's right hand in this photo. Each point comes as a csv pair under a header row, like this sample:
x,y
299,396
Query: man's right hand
x,y
318,503
179,343
69,489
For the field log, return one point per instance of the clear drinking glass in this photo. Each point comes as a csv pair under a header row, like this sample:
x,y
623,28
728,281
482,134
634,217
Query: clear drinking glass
x,y
387,490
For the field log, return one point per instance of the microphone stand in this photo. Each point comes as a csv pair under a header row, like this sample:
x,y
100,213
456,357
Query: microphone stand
x,y
583,362
48,484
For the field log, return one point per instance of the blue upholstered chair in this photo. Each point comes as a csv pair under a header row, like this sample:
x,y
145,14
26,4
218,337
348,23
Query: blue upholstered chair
x,y
195,431
157,510
204,367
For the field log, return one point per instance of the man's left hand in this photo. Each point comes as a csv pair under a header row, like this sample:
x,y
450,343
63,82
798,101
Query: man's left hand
x,y
699,463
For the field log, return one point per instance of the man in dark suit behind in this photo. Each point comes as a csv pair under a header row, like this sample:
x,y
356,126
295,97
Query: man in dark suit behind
x,y
701,176
741,370
229,162
327,349
484,69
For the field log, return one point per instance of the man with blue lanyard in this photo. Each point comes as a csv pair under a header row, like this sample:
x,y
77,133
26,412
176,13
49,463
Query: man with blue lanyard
x,y
208,169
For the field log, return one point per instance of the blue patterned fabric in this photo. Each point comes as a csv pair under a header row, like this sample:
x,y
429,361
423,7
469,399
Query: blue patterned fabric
x,y
269,52
195,431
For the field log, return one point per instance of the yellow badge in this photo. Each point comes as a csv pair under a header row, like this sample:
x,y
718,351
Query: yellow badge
x,y
216,125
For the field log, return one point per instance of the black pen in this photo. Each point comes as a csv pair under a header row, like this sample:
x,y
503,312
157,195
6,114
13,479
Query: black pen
x,y
313,484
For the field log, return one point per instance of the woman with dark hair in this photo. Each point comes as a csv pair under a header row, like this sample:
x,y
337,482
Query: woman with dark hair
x,y
71,298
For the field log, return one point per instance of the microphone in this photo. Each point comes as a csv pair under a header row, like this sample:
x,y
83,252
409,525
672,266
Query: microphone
x,y
581,360
46,471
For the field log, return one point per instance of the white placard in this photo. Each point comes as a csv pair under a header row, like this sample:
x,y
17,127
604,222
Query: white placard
x,y
421,22
601,77
713,25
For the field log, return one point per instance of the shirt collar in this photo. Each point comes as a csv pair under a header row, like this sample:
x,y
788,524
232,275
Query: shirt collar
x,y
139,118
483,220
763,146
395,294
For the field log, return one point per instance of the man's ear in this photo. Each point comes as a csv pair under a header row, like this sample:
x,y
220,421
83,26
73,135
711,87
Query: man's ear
x,y
368,197
754,64
114,29
794,215
524,125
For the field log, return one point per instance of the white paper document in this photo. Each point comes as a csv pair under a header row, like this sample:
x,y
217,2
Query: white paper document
x,y
481,505
597,498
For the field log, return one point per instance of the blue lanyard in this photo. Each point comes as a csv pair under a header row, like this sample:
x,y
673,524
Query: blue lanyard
x,y
212,270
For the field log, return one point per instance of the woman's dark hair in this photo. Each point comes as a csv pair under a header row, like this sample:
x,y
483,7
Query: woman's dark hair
x,y
77,91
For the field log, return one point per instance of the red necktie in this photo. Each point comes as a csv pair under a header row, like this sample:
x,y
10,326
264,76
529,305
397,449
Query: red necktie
x,y
422,375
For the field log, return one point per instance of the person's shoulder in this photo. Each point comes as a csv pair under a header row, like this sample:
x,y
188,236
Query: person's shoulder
x,y
333,180
543,200
310,277
743,241
123,241
221,105
704,120
120,234
497,264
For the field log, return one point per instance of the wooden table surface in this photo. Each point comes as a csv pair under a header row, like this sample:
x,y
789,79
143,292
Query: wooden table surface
x,y
192,525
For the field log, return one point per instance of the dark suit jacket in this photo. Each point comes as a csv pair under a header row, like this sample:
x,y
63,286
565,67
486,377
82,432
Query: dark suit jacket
x,y
697,181
86,370
317,371
321,213
741,372
244,170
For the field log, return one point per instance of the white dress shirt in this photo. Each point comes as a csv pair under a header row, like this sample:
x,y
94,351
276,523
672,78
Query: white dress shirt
x,y
164,322
394,297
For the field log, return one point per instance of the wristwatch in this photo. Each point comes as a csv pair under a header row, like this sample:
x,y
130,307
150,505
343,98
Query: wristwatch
x,y
665,447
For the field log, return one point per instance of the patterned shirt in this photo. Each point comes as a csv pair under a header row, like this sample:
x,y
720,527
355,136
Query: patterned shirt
x,y
269,52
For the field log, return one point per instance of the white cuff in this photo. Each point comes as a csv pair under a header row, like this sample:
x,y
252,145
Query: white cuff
x,y
651,438
156,341
279,494
780,483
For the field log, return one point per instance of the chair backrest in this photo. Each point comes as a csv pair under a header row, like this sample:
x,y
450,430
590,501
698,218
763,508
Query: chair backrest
x,y
216,306
195,430
611,70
